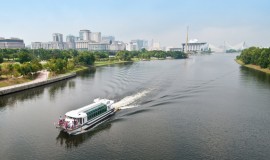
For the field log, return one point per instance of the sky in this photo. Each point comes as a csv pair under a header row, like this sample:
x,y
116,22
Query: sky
x,y
164,21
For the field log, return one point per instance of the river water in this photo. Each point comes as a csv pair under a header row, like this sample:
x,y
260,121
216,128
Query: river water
x,y
204,107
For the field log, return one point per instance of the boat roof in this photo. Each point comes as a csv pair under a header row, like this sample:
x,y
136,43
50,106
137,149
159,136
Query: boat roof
x,y
79,113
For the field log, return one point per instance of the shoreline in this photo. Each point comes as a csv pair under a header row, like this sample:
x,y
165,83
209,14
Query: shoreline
x,y
252,66
32,84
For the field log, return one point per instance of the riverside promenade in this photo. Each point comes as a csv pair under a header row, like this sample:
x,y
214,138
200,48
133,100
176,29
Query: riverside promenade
x,y
41,80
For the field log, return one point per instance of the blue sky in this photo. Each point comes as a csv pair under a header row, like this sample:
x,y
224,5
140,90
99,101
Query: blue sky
x,y
213,21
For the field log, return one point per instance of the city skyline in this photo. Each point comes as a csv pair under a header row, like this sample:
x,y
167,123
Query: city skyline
x,y
163,21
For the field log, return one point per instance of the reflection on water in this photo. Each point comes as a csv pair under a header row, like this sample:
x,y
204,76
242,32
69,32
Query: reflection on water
x,y
57,87
69,141
11,99
204,107
36,93
88,73
251,75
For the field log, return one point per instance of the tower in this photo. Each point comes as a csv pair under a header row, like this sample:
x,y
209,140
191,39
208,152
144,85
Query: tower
x,y
187,41
186,49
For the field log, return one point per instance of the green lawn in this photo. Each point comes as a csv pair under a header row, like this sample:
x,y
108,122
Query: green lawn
x,y
104,63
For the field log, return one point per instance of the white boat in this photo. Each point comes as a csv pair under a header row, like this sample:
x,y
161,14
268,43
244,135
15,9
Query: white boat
x,y
79,120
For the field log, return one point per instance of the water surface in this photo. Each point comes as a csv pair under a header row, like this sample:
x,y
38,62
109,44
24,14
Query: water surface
x,y
204,107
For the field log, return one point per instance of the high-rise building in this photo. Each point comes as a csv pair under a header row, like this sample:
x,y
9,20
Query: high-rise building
x,y
57,37
36,45
70,38
96,37
145,44
108,39
57,43
85,35
156,46
70,41
84,40
11,43
138,44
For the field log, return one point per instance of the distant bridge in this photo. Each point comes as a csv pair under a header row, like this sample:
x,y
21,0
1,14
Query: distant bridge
x,y
226,46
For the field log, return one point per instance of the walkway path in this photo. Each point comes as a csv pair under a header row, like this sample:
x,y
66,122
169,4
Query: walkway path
x,y
42,79
43,75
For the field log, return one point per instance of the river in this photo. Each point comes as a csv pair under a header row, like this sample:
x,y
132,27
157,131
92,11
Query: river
x,y
204,107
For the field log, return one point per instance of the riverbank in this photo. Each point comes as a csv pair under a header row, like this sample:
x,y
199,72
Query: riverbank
x,y
35,83
258,68
19,84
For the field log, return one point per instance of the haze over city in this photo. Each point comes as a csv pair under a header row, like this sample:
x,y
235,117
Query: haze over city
x,y
163,21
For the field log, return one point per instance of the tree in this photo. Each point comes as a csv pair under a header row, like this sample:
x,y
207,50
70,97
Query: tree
x,y
123,55
1,58
10,68
25,68
256,56
57,65
35,66
264,58
86,58
24,57
70,64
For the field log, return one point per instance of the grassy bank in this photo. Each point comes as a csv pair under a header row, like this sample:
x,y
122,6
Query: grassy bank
x,y
104,63
76,69
12,81
265,70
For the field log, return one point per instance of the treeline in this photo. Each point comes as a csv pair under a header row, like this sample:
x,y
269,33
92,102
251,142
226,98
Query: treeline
x,y
256,56
147,55
28,61
27,55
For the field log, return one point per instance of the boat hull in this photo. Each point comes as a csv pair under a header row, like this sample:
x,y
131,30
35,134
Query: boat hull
x,y
86,126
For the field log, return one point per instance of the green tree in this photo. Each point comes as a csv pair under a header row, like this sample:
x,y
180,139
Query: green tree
x,y
24,57
264,58
1,58
10,68
70,64
86,58
25,68
123,55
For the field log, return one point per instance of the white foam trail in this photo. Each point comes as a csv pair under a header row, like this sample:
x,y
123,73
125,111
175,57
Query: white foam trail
x,y
123,104
128,107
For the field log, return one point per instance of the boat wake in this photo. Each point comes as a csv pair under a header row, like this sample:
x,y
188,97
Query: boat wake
x,y
128,107
125,102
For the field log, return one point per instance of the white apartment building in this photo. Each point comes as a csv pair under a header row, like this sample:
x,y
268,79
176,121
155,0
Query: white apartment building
x,y
85,35
57,37
117,46
96,37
